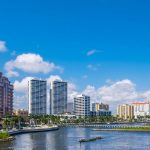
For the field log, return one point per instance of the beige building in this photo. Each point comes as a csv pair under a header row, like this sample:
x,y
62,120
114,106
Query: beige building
x,y
99,106
125,111
21,112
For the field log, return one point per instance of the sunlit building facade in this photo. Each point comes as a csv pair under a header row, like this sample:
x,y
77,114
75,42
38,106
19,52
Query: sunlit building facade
x,y
58,97
6,96
141,109
37,92
82,105
125,111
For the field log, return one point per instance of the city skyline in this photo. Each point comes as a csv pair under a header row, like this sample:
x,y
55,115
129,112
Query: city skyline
x,y
100,50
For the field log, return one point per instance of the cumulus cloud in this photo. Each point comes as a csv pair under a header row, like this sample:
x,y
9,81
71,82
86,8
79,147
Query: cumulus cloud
x,y
72,91
53,78
21,93
118,91
30,63
3,47
22,86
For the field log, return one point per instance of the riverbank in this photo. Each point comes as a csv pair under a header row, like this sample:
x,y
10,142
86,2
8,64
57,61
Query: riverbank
x,y
5,136
32,130
133,129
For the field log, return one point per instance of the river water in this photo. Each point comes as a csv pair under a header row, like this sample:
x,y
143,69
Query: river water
x,y
67,139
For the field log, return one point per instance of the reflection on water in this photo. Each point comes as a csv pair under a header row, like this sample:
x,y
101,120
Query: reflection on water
x,y
67,139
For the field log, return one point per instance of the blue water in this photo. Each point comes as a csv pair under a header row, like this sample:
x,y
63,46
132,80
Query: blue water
x,y
67,139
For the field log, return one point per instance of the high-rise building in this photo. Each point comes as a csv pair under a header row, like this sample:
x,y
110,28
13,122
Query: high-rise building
x,y
6,96
99,106
141,109
37,96
82,105
125,111
70,107
58,97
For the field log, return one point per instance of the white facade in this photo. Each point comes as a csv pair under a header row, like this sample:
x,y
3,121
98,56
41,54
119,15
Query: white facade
x,y
141,109
82,105
58,97
37,90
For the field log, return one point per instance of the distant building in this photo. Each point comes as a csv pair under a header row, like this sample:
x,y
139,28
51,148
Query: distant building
x,y
21,112
100,113
99,106
141,109
70,108
125,111
58,97
37,96
82,105
100,109
6,96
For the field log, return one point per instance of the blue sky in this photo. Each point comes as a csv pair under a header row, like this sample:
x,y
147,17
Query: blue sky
x,y
63,32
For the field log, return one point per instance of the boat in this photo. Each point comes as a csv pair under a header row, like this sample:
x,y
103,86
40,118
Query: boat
x,y
90,139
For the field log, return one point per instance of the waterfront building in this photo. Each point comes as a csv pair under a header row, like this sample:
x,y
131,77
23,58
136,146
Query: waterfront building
x,y
99,106
6,96
70,108
21,112
125,111
141,109
100,109
58,97
82,105
37,92
100,113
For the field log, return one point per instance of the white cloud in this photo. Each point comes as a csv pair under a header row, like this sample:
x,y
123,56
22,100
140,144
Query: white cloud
x,y
72,91
123,90
53,78
92,52
3,47
31,63
22,86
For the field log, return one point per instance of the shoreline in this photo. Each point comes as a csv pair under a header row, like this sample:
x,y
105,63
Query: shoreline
x,y
123,130
32,130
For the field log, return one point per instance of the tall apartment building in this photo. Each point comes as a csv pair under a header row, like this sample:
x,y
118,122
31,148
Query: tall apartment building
x,y
6,96
37,96
125,111
58,97
141,108
82,105
99,106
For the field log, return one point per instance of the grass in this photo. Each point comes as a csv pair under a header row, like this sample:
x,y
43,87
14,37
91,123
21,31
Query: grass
x,y
4,135
134,128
